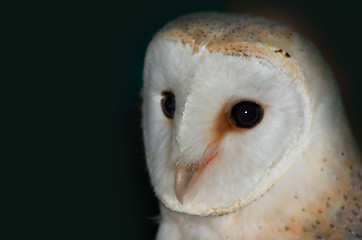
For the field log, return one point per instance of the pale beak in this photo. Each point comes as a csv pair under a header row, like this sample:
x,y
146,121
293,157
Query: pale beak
x,y
186,173
183,178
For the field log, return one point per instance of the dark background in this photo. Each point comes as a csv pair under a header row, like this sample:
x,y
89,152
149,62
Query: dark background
x,y
102,190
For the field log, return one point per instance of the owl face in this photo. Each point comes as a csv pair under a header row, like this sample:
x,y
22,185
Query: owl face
x,y
220,128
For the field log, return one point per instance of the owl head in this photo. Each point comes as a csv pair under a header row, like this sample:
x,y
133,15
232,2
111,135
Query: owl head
x,y
228,106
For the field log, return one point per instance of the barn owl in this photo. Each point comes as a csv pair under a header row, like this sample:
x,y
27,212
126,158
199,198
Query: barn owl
x,y
245,133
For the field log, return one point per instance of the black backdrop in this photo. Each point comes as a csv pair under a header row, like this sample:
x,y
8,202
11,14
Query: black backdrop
x,y
104,191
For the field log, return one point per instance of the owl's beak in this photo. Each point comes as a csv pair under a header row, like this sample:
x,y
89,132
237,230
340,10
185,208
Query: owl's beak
x,y
186,173
183,177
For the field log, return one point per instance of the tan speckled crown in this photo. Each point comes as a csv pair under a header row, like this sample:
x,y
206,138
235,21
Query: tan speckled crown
x,y
247,36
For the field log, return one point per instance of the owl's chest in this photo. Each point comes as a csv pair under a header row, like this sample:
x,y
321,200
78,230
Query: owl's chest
x,y
337,216
332,215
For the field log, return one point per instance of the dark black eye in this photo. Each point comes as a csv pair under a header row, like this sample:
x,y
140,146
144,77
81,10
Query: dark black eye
x,y
168,104
246,114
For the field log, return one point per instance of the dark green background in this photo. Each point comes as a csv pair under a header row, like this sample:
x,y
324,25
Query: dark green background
x,y
104,190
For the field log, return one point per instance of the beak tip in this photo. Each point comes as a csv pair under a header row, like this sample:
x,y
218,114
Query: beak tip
x,y
180,198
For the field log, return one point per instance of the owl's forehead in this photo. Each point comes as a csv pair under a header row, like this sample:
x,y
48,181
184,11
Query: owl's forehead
x,y
173,66
205,35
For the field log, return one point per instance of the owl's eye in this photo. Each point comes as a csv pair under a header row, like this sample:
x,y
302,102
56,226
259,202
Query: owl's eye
x,y
246,114
168,104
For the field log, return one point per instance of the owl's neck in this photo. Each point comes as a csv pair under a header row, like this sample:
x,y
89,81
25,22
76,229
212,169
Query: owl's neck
x,y
320,196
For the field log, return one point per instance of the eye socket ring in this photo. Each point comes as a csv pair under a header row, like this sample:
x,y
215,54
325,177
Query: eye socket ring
x,y
168,104
246,114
